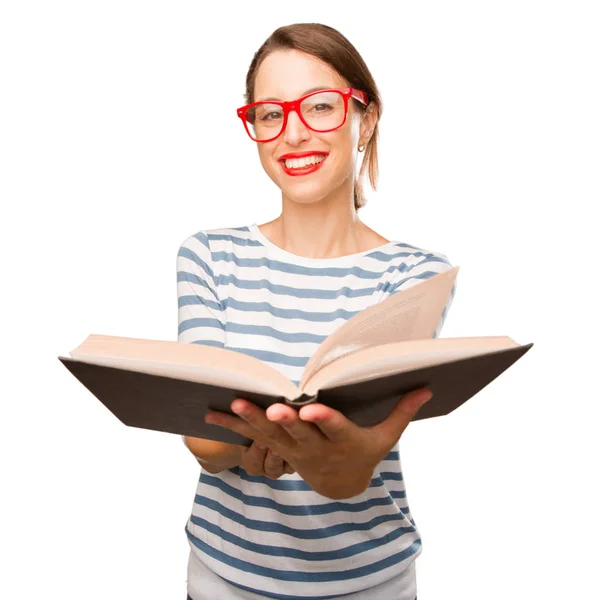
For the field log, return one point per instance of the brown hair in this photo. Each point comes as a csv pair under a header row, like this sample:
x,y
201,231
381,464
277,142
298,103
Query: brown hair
x,y
330,46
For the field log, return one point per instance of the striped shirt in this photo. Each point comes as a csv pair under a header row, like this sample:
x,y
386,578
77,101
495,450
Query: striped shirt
x,y
279,538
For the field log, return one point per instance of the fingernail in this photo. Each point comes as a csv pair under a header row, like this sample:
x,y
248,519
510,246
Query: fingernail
x,y
261,447
427,397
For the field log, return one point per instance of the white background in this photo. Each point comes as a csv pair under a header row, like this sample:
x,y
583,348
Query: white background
x,y
489,153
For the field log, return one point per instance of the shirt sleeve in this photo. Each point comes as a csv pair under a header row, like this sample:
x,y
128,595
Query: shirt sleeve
x,y
432,264
200,311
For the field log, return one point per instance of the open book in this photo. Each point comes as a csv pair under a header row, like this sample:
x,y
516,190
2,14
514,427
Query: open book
x,y
362,369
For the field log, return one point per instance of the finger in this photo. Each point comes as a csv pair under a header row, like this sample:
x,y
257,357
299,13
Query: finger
x,y
254,458
393,427
332,423
234,424
287,418
288,468
273,465
272,433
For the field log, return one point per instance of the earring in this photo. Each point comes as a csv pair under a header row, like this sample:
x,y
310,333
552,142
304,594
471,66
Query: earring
x,y
361,148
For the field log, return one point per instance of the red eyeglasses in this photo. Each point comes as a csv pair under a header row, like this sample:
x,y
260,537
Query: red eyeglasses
x,y
322,111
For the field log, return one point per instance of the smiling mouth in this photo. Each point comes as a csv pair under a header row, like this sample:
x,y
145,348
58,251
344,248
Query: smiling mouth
x,y
318,157
304,170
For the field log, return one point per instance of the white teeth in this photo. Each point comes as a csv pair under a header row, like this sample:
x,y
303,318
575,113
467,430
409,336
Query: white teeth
x,y
296,163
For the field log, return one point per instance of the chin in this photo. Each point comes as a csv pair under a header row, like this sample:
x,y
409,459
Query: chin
x,y
307,195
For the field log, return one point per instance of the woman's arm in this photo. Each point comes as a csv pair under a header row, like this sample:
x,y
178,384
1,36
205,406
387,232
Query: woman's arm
x,y
201,321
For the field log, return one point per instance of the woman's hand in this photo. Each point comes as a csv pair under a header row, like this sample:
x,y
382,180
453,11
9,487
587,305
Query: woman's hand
x,y
332,454
260,460
214,456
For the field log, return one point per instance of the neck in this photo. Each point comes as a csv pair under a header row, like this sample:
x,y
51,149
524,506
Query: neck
x,y
328,228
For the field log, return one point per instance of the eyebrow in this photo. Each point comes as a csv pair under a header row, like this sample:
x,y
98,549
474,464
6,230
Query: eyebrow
x,y
314,89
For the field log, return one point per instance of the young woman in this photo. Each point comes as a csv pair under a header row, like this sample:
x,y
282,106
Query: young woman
x,y
316,507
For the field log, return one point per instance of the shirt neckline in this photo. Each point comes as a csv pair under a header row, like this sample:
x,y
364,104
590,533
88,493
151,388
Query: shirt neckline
x,y
290,256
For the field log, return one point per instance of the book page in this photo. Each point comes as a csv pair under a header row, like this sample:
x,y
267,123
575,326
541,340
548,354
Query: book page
x,y
398,357
191,362
412,314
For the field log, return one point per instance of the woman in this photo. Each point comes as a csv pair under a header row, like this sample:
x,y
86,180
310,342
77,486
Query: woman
x,y
316,506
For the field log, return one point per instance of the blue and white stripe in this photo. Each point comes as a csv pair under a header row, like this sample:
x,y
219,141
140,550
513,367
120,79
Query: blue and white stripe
x,y
237,290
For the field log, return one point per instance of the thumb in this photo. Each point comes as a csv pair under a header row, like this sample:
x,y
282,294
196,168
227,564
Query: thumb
x,y
403,413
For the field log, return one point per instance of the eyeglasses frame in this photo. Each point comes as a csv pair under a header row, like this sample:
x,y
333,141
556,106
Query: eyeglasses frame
x,y
294,105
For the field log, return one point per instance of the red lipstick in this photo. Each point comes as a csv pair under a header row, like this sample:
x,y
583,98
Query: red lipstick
x,y
301,154
305,170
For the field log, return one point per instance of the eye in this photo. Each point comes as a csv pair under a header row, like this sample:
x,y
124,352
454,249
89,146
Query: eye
x,y
271,116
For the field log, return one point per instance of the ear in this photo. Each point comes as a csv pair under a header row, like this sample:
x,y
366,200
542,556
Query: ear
x,y
369,120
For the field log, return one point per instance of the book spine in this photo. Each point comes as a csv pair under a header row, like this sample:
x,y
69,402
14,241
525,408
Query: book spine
x,y
302,400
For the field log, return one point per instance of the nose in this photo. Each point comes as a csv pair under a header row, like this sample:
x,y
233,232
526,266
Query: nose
x,y
295,130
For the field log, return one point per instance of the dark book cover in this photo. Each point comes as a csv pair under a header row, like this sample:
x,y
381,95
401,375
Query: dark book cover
x,y
176,406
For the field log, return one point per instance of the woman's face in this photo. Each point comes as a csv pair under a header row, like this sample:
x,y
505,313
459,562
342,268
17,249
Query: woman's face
x,y
287,75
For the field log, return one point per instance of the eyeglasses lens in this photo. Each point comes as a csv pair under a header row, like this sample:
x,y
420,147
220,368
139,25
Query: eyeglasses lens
x,y
322,112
